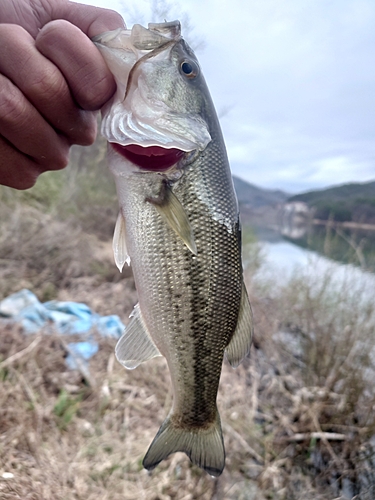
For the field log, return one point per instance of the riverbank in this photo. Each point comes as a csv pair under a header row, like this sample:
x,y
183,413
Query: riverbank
x,y
296,425
297,415
344,225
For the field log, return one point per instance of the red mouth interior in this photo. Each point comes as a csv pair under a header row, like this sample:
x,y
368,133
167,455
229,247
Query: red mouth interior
x,y
149,158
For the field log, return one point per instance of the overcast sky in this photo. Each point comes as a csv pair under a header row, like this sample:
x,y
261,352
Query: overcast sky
x,y
294,81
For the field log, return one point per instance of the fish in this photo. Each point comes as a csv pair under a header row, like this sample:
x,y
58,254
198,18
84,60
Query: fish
x,y
179,227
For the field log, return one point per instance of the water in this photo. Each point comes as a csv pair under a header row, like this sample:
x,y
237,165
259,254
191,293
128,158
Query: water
x,y
281,260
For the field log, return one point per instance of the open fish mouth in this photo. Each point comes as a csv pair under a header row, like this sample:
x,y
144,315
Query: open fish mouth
x,y
154,158
141,112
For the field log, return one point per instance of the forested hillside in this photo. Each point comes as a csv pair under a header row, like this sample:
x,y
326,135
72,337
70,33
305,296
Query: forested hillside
x,y
254,196
347,202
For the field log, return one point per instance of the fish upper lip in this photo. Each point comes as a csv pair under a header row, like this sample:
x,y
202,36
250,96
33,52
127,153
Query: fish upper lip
x,y
152,158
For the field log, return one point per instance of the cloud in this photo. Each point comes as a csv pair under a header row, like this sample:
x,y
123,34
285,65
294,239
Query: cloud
x,y
301,86
295,82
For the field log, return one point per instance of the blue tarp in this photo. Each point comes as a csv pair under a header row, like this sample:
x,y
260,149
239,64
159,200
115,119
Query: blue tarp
x,y
66,318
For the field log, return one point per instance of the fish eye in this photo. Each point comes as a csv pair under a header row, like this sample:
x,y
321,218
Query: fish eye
x,y
189,68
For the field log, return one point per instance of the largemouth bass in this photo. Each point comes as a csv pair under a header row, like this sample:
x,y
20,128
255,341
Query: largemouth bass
x,y
179,226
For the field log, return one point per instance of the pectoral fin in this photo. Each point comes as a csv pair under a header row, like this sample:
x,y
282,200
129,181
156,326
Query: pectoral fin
x,y
170,208
136,345
240,344
119,243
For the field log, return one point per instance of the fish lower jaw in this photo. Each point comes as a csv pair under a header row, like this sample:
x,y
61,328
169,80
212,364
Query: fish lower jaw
x,y
150,158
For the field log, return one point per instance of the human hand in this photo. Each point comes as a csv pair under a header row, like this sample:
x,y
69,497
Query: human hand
x,y
52,79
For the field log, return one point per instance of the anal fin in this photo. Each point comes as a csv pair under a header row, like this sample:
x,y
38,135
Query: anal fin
x,y
240,344
136,344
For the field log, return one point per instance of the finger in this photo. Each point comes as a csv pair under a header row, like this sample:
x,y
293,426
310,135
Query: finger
x,y
91,20
17,170
43,85
90,81
34,15
22,127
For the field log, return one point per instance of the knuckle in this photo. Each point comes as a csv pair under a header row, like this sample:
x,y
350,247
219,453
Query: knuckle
x,y
59,159
26,181
49,84
83,129
95,88
61,162
12,106
88,137
16,170
10,31
21,181
56,157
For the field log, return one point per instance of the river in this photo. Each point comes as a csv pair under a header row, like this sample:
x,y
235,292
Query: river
x,y
282,259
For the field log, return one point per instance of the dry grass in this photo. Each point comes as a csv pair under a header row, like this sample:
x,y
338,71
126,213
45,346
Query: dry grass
x,y
61,438
285,437
316,366
56,259
298,416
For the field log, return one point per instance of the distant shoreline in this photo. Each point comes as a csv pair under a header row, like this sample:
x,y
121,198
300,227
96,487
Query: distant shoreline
x,y
346,224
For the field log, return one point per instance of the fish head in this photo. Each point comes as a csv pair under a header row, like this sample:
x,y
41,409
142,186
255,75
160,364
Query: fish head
x,y
158,114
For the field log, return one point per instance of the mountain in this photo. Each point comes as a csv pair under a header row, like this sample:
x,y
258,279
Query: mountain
x,y
346,202
354,190
255,197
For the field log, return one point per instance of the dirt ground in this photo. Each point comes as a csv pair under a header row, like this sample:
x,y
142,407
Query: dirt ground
x,y
69,435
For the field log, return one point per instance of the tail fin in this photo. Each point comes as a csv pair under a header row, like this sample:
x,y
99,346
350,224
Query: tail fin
x,y
204,447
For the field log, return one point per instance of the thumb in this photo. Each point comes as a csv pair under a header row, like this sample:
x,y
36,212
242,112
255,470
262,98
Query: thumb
x,y
91,20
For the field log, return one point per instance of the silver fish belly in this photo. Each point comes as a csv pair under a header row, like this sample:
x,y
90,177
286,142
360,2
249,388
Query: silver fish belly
x,y
180,228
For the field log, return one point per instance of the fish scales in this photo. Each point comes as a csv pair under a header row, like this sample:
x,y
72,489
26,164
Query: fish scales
x,y
183,238
188,295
